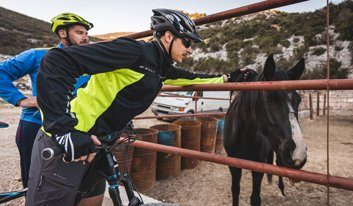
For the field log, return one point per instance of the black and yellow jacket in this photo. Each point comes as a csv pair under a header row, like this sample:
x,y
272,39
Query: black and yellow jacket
x,y
126,77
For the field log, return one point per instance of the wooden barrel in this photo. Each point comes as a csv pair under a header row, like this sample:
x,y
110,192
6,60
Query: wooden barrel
x,y
190,139
143,167
208,133
168,165
122,159
219,148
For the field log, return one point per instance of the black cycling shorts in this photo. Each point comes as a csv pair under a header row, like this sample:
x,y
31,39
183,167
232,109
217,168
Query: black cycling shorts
x,y
54,182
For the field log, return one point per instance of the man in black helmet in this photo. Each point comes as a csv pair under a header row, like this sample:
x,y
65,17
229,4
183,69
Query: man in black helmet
x,y
126,77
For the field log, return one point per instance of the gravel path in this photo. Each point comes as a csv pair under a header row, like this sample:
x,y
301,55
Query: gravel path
x,y
209,184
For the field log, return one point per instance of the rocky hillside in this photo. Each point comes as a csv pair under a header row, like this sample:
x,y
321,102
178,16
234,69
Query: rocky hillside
x,y
234,43
19,32
248,40
114,35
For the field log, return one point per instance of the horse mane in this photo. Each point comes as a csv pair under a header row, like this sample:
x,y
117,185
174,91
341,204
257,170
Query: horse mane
x,y
245,104
243,107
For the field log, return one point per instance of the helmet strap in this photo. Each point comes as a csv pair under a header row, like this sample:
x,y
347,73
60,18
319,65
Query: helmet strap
x,y
164,49
170,48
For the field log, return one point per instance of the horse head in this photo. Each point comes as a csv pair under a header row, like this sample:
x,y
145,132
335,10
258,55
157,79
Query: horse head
x,y
277,115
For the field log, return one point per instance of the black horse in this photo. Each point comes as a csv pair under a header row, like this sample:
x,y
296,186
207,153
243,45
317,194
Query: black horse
x,y
261,123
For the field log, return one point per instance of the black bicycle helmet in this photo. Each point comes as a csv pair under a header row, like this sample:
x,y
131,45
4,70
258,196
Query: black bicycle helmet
x,y
176,22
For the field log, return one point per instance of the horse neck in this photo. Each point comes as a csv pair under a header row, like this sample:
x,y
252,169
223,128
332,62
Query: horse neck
x,y
247,108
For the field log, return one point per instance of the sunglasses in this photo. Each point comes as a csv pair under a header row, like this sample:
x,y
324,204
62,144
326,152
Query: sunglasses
x,y
186,42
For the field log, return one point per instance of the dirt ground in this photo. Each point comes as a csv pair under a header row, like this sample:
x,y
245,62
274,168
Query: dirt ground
x,y
209,183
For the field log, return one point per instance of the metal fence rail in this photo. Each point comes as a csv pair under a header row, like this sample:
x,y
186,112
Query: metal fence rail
x,y
249,9
321,84
317,178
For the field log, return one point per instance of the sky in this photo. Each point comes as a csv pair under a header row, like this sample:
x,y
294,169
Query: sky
x,y
134,16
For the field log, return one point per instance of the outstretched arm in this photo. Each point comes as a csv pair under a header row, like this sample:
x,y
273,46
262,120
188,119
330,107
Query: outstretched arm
x,y
182,77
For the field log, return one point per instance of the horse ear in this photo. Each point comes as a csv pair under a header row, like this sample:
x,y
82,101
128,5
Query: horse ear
x,y
269,68
297,71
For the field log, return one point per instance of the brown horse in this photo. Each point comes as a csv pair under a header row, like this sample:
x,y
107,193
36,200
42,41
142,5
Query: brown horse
x,y
261,123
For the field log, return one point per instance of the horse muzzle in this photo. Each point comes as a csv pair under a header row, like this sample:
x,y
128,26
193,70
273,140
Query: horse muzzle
x,y
292,156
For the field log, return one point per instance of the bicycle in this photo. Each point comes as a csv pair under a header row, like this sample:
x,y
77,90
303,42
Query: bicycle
x,y
104,165
8,196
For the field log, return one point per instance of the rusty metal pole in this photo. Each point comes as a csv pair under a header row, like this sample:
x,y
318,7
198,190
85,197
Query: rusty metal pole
x,y
181,115
317,104
230,97
249,9
317,178
197,100
319,84
328,97
311,106
324,109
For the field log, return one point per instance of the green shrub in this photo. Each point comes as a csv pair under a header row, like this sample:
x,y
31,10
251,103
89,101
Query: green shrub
x,y
299,52
214,45
316,73
336,72
338,48
285,43
296,39
350,47
211,65
319,51
345,24
187,64
249,55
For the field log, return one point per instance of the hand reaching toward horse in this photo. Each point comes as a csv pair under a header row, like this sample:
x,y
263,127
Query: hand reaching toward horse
x,y
241,75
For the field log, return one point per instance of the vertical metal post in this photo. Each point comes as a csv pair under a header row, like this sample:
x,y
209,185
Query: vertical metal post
x,y
197,99
318,104
311,106
328,96
324,108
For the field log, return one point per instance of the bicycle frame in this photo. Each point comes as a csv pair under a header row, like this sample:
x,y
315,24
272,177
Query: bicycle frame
x,y
105,166
3,125
8,196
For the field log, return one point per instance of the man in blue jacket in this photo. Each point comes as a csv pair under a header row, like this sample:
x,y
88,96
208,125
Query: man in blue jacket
x,y
72,30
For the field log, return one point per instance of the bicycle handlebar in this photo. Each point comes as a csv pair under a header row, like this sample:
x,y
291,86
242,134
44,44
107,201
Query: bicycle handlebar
x,y
107,141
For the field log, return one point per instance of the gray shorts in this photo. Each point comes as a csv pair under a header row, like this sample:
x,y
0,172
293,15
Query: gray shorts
x,y
54,182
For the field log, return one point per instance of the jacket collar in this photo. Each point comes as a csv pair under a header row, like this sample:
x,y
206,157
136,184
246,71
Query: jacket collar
x,y
163,57
60,45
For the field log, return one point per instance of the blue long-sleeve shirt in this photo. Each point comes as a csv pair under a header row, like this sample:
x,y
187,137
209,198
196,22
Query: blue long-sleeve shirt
x,y
18,66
